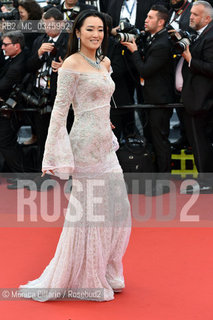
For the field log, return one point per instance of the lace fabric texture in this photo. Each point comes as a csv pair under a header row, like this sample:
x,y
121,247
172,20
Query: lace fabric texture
x,y
91,139
90,250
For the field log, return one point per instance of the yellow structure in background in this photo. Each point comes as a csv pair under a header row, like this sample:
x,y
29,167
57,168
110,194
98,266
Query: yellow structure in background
x,y
183,171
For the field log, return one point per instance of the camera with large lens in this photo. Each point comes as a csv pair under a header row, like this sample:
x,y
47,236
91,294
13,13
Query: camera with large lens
x,y
180,40
127,32
19,97
11,15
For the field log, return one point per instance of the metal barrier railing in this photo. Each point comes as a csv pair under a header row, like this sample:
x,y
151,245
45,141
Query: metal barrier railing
x,y
135,106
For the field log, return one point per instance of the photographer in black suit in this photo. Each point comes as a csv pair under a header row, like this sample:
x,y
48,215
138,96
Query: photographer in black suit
x,y
125,74
49,52
197,92
11,73
47,57
138,10
179,15
156,69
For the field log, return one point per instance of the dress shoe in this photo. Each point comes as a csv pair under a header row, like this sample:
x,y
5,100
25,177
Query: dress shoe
x,y
196,188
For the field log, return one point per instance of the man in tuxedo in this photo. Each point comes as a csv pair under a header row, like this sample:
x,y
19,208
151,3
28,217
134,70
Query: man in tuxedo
x,y
179,15
156,70
137,10
11,73
70,8
197,91
49,52
124,73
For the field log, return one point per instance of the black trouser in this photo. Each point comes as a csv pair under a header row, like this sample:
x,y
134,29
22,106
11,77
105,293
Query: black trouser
x,y
10,149
197,132
124,122
159,126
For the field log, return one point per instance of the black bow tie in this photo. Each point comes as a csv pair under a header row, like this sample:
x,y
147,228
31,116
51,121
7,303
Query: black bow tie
x,y
66,10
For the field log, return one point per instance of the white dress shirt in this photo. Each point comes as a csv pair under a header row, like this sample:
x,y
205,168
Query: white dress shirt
x,y
129,10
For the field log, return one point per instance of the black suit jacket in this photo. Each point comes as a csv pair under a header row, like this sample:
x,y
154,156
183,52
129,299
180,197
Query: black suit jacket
x,y
102,3
11,73
143,6
81,5
156,68
184,18
197,92
34,63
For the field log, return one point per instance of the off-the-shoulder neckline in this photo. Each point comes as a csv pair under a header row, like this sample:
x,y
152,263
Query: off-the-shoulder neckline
x,y
79,72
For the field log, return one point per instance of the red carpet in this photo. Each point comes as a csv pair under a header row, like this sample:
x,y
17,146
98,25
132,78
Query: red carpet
x,y
168,271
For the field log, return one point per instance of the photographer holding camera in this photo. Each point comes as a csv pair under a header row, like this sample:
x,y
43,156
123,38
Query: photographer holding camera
x,y
47,57
179,15
11,73
125,74
197,92
157,77
13,14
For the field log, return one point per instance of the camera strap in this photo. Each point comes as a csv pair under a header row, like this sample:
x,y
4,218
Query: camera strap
x,y
178,13
130,11
150,39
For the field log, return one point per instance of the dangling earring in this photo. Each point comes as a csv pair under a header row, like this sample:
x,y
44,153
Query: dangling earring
x,y
79,44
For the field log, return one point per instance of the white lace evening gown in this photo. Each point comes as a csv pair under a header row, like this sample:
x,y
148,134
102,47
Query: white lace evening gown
x,y
95,235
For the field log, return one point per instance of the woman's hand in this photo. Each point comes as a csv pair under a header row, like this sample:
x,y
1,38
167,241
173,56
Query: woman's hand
x,y
45,171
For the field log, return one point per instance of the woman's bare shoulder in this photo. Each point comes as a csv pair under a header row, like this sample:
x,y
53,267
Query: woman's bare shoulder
x,y
72,62
107,63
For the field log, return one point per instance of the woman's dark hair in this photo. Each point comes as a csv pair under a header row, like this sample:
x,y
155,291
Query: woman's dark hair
x,y
73,41
33,9
109,22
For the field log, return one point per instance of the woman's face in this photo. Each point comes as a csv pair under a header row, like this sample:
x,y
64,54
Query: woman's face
x,y
23,13
91,33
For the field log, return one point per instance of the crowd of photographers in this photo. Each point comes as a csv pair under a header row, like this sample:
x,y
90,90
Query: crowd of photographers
x,y
149,47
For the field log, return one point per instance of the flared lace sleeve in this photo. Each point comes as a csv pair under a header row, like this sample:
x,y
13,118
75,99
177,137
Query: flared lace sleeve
x,y
58,155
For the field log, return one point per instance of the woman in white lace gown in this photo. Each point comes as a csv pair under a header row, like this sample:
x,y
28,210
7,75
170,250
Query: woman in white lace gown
x,y
88,257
